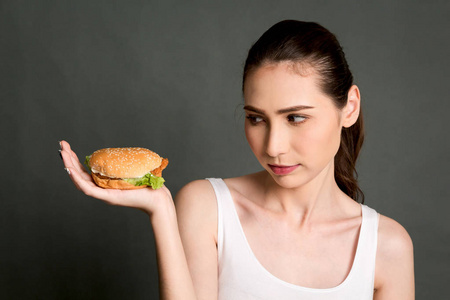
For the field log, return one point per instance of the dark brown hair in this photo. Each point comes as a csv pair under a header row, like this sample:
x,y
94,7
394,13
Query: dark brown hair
x,y
310,44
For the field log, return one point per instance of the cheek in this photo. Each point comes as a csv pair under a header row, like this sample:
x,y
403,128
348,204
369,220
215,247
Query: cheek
x,y
319,142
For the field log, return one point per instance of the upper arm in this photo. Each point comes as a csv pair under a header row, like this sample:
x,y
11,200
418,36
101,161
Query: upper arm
x,y
197,221
394,271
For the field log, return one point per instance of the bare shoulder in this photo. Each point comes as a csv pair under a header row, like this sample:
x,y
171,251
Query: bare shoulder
x,y
393,239
394,274
198,190
196,207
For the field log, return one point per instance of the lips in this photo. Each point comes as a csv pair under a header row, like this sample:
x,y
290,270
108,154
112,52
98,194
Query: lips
x,y
282,170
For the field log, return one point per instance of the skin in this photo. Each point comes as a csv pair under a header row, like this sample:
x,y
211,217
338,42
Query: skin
x,y
301,218
172,265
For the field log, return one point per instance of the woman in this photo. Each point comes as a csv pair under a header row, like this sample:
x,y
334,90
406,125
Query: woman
x,y
294,230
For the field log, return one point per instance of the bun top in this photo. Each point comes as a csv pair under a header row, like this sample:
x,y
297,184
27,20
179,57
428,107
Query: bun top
x,y
124,162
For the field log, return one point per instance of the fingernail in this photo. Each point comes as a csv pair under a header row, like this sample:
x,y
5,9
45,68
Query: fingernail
x,y
60,146
60,155
67,170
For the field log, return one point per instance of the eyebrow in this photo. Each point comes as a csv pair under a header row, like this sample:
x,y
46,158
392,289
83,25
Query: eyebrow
x,y
281,111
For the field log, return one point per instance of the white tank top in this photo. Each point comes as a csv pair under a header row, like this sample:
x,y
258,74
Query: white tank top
x,y
241,276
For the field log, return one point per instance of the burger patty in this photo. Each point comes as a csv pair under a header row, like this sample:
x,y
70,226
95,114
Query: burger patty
x,y
155,172
158,171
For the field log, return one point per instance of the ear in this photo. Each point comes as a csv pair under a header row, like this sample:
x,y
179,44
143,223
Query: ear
x,y
350,112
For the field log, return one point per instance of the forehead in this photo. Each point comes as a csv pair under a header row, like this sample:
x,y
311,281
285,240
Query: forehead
x,y
284,84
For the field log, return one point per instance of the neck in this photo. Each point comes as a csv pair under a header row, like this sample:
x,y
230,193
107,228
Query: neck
x,y
303,204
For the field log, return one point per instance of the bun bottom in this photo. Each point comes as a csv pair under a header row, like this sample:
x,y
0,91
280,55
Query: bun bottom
x,y
112,183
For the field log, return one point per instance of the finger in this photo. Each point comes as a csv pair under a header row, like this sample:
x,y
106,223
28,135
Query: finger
x,y
90,188
67,160
80,166
65,146
75,159
70,163
70,172
75,162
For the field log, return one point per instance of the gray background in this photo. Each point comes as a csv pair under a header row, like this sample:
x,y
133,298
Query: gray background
x,y
167,76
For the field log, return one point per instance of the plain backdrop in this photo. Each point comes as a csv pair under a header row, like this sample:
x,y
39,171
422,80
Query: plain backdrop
x,y
167,75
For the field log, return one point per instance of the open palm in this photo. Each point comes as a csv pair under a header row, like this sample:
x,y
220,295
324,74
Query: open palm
x,y
145,199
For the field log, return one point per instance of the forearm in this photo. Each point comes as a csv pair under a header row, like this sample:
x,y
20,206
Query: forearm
x,y
174,278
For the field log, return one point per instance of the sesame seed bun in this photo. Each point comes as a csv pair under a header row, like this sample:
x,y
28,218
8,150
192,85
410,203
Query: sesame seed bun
x,y
110,165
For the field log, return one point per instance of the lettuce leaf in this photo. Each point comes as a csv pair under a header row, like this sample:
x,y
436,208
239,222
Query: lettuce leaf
x,y
86,161
148,179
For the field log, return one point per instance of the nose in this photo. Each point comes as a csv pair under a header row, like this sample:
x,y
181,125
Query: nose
x,y
277,142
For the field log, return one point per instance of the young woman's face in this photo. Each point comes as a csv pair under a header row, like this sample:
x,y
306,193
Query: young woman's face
x,y
292,127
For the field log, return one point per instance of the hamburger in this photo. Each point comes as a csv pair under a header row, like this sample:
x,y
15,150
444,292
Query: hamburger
x,y
126,168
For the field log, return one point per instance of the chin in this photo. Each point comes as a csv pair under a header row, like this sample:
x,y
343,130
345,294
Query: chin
x,y
290,181
297,179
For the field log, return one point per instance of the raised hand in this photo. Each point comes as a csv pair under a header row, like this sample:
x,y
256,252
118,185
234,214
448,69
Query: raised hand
x,y
147,199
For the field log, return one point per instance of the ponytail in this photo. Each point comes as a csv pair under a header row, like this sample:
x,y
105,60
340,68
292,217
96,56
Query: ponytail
x,y
345,172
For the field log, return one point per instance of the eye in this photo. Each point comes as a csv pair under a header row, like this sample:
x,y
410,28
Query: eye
x,y
296,119
254,120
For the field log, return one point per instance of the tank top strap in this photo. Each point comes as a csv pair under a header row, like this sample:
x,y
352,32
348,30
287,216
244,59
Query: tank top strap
x,y
226,215
364,263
